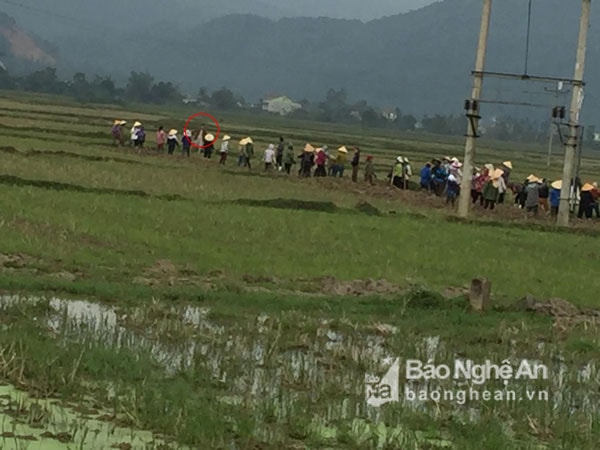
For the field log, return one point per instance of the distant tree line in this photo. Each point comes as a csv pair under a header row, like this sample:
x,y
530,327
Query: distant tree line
x,y
335,107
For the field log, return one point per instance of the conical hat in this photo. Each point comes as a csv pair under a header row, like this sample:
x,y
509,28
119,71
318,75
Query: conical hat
x,y
557,184
309,148
226,137
172,132
249,140
209,137
587,187
400,159
531,177
137,124
244,141
123,122
343,149
507,164
117,122
489,167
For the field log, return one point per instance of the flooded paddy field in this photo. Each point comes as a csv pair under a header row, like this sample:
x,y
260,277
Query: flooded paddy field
x,y
80,374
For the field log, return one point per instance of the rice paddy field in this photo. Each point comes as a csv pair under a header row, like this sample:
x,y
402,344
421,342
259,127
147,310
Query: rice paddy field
x,y
159,302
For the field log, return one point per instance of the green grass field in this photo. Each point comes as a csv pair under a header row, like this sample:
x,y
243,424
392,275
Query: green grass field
x,y
294,279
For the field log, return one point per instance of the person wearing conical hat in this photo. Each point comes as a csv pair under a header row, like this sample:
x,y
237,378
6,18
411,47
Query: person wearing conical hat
x,y
161,139
555,197
307,160
586,201
532,192
248,152
339,163
398,173
456,170
289,158
242,152
117,133
172,141
134,132
209,145
490,190
224,149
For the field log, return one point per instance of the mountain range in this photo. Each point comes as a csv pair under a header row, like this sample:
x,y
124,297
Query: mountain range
x,y
419,61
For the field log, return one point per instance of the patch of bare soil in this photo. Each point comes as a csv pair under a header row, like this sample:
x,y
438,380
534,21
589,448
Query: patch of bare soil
x,y
165,271
451,292
333,286
22,263
16,260
565,314
329,285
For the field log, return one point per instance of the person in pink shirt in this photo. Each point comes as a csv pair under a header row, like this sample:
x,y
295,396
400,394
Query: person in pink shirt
x,y
320,161
161,139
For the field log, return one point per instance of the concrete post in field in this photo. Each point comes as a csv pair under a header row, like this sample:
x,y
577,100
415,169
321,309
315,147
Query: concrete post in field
x,y
464,199
479,295
576,103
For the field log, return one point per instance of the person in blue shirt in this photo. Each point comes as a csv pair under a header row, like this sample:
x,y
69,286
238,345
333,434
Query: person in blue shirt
x,y
555,197
426,176
438,177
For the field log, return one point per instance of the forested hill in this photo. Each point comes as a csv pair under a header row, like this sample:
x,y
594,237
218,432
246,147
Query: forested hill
x,y
19,49
419,61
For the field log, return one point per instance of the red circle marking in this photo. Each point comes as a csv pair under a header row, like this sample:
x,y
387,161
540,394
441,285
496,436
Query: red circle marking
x,y
192,117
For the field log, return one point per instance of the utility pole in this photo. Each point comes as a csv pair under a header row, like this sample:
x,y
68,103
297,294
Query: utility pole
x,y
576,103
556,92
472,111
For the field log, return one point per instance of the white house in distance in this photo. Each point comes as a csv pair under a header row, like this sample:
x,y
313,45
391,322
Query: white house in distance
x,y
389,113
280,105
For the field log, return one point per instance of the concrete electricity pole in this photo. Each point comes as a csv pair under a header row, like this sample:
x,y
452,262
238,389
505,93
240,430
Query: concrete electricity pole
x,y
576,103
473,125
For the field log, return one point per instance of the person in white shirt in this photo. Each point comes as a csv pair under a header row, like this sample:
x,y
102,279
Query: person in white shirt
x,y
269,157
134,130
224,149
